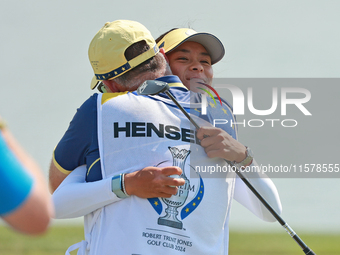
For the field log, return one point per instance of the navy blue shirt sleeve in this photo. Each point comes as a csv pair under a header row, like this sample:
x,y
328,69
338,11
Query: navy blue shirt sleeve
x,y
80,140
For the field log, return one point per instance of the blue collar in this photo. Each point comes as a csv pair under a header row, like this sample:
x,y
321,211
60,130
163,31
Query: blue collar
x,y
173,81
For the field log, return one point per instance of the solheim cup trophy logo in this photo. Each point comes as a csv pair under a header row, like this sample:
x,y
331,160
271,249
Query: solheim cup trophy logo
x,y
175,201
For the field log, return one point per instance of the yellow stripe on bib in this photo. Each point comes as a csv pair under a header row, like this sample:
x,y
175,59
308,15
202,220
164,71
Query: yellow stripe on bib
x,y
108,96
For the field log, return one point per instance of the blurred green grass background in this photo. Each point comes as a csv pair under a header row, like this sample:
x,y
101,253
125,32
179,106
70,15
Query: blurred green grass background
x,y
59,238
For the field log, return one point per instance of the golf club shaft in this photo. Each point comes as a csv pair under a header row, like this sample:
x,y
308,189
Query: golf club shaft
x,y
182,109
289,230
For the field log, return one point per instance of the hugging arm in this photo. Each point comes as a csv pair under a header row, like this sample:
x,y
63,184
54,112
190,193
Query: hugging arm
x,y
265,186
218,143
75,197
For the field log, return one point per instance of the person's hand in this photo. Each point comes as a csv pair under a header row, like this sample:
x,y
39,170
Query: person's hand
x,y
218,143
153,182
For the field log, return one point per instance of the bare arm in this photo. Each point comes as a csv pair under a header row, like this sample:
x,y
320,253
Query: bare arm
x,y
33,215
55,177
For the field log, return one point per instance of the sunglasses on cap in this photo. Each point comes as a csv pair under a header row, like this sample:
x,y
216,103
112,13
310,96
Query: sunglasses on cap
x,y
101,87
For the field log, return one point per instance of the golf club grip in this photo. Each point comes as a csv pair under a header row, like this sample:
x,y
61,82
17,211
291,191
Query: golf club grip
x,y
289,230
308,251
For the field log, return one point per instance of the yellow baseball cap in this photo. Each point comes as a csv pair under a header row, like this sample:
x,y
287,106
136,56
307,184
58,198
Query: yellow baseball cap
x,y
107,48
178,36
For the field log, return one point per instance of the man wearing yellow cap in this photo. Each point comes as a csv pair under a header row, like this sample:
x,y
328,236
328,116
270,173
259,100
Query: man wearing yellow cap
x,y
144,134
114,56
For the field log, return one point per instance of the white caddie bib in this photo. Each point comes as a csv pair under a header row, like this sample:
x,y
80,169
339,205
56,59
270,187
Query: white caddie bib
x,y
135,132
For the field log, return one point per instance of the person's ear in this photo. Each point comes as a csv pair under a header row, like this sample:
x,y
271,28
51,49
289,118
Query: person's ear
x,y
162,51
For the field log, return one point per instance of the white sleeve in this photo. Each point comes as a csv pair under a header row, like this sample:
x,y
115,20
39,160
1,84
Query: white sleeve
x,y
75,197
265,187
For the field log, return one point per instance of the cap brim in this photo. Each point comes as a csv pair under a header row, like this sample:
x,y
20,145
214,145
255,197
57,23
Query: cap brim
x,y
210,42
94,82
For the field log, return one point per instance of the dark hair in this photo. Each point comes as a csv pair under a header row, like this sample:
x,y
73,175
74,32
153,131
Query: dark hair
x,y
136,49
150,65
162,35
